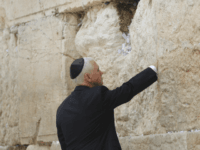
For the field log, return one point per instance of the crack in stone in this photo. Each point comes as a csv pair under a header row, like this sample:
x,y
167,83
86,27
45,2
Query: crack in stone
x,y
41,7
68,56
41,11
36,133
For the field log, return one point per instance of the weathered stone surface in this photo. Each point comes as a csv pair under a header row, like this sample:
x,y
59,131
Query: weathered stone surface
x,y
9,102
193,141
41,88
36,52
173,141
3,147
34,147
160,33
124,142
37,9
28,90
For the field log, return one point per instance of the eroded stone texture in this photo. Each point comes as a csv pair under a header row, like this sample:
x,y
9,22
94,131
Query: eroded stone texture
x,y
34,9
173,141
193,141
45,43
9,102
42,88
160,33
36,56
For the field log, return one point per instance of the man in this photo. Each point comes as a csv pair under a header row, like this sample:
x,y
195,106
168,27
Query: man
x,y
85,119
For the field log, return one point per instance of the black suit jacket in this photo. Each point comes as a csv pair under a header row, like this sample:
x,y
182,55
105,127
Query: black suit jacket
x,y
85,119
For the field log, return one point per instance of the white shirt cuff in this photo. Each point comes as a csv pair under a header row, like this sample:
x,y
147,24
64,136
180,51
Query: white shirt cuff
x,y
154,68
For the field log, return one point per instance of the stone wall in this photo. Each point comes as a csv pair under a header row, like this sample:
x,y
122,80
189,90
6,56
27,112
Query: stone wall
x,y
40,39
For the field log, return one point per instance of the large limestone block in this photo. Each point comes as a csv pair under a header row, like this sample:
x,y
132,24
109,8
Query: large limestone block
x,y
40,83
41,88
175,141
178,37
179,87
37,147
3,147
36,9
9,102
167,33
124,143
158,108
172,141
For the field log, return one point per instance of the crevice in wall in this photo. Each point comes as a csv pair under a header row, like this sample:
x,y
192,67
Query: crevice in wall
x,y
150,3
126,11
34,138
41,143
68,56
80,19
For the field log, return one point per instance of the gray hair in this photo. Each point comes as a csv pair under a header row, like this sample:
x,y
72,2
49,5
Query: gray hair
x,y
87,68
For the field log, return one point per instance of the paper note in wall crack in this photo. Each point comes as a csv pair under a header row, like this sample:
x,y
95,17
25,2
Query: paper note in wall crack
x,y
127,40
123,46
124,36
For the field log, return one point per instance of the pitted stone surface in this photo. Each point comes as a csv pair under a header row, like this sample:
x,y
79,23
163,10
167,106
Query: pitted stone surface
x,y
173,104
42,87
9,102
36,52
34,9
173,141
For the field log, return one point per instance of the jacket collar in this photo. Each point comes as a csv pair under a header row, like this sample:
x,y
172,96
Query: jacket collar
x,y
81,88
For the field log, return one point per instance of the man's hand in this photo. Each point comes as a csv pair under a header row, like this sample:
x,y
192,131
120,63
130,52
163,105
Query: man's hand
x,y
154,67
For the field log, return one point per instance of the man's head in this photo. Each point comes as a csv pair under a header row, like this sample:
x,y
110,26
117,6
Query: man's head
x,y
90,74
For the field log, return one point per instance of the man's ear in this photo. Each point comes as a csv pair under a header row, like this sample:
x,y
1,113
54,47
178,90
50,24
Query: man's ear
x,y
87,77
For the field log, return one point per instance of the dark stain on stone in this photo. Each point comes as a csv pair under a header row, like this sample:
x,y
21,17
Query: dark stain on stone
x,y
150,3
126,11
81,15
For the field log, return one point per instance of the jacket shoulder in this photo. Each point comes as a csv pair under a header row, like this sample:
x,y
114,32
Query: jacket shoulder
x,y
103,88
